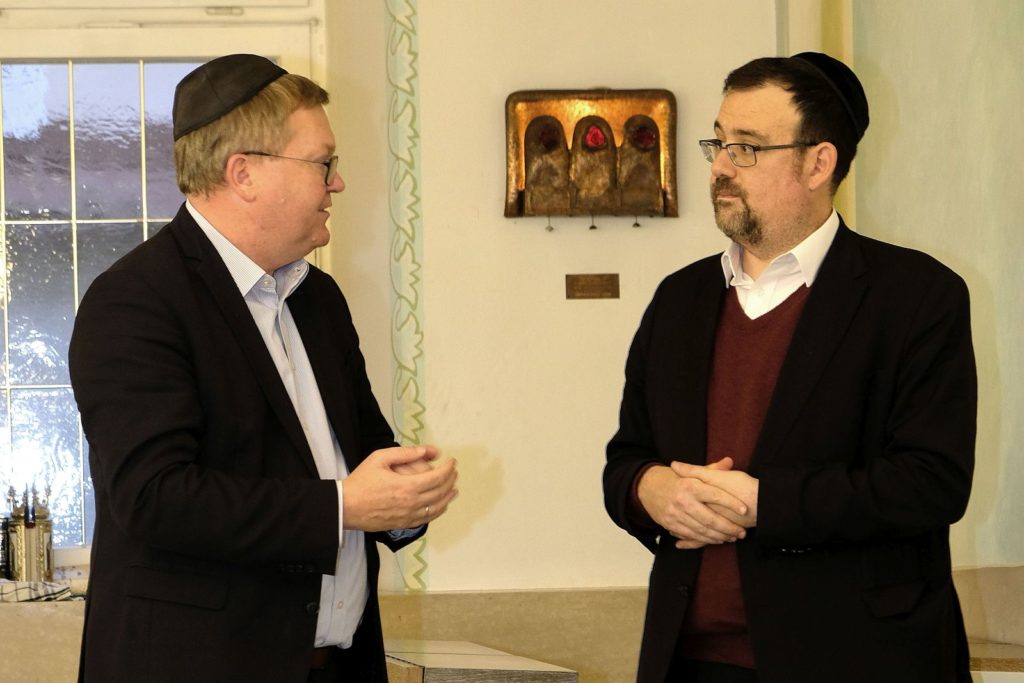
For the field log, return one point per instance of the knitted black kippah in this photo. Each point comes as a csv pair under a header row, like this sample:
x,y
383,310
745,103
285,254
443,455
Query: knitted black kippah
x,y
845,84
217,87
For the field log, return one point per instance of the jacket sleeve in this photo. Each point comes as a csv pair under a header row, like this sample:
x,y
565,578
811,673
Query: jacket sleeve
x,y
632,448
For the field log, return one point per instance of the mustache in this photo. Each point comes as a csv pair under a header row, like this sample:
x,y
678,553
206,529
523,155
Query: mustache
x,y
725,185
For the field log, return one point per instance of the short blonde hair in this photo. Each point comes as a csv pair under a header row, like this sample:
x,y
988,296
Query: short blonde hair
x,y
201,156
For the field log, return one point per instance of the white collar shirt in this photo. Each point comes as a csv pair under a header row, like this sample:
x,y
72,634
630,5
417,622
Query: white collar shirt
x,y
343,596
797,268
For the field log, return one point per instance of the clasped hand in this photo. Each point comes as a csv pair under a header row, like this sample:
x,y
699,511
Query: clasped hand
x,y
700,505
398,488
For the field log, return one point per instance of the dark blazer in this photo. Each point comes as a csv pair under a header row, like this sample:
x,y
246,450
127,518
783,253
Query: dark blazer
x,y
212,525
864,460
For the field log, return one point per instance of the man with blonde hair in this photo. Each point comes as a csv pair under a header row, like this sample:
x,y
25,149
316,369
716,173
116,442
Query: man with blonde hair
x,y
243,470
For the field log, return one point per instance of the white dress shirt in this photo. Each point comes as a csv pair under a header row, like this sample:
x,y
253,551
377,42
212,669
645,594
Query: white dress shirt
x,y
784,275
342,596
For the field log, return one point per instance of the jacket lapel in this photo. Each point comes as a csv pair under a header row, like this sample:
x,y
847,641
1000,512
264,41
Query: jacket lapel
x,y
327,361
687,359
210,268
831,305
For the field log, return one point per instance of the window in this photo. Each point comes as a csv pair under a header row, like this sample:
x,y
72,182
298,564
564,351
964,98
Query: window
x,y
86,174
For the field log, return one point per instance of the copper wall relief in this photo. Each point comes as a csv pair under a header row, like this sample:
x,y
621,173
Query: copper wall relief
x,y
596,152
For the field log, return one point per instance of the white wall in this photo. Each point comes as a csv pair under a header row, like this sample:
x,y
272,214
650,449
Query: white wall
x,y
939,170
523,386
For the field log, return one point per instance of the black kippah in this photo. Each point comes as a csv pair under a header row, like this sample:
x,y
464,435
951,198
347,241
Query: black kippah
x,y
217,87
845,84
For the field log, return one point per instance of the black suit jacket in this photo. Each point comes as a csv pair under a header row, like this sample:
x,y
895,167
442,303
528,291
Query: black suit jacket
x,y
864,460
212,525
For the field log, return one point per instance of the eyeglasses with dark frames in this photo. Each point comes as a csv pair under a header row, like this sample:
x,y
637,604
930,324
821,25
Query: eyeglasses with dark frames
x,y
331,165
741,153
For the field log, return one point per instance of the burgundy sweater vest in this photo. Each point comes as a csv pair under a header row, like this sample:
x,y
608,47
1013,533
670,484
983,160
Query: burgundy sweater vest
x,y
747,358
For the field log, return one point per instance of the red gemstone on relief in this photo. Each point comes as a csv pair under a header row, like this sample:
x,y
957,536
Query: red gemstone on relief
x,y
595,138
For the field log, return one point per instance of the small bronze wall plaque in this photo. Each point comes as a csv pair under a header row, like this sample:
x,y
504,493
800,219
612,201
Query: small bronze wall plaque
x,y
592,286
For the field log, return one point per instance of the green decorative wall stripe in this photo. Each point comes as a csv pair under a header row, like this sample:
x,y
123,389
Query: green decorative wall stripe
x,y
408,401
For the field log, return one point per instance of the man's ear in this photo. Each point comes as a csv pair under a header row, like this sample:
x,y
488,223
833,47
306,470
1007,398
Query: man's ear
x,y
820,164
238,177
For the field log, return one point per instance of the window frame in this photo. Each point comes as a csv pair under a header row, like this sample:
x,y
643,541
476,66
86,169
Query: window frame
x,y
291,43
146,4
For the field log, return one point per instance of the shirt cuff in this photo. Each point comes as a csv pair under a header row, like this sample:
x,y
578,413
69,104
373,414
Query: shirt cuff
x,y
341,513
399,534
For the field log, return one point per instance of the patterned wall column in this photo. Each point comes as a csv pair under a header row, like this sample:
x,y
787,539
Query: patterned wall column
x,y
408,405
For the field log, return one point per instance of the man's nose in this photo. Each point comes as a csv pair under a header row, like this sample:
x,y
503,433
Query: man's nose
x,y
722,165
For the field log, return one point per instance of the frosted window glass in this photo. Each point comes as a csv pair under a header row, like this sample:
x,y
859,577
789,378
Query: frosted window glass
x,y
40,305
50,251
108,141
37,146
3,346
6,462
44,445
161,187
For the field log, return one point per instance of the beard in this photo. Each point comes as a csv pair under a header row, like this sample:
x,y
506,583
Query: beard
x,y
739,223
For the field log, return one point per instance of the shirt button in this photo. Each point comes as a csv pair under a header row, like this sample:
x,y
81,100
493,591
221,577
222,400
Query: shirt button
x,y
341,604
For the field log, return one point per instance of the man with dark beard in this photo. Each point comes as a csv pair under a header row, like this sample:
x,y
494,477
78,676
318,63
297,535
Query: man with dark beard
x,y
798,419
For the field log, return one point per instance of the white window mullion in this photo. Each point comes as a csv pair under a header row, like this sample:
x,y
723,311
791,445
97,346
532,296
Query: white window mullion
x,y
142,148
74,183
